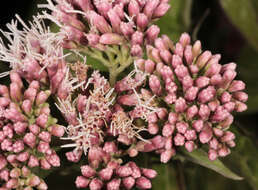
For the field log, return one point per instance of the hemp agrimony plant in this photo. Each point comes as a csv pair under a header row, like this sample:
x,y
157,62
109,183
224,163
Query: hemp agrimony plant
x,y
157,97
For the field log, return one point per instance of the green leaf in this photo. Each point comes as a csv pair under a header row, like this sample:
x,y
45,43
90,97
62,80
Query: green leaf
x,y
200,157
166,178
177,20
244,158
244,15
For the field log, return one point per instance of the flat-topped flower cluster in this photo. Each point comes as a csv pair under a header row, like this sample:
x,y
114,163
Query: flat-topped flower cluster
x,y
175,95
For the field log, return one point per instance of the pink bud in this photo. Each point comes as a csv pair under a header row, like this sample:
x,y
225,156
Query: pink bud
x,y
188,54
214,143
212,154
33,162
204,111
142,21
106,174
45,136
236,85
190,135
202,81
42,186
189,145
206,134
34,181
203,59
126,29
149,66
82,182
180,105
12,184
152,32
42,97
161,10
110,147
179,140
153,128
137,38
191,93
111,39
240,107
191,111
15,92
150,7
187,82
149,173
44,147
169,44
168,130
185,39
179,50
228,136
155,84
133,8
96,184
136,51
240,96
34,129
198,125
181,71
87,171
166,155
44,164
42,120
30,140
172,118
57,130
99,22
124,171
128,182
224,151
30,94
114,184
26,106
22,157
18,146
143,183
136,172
181,127
207,94
53,159
15,173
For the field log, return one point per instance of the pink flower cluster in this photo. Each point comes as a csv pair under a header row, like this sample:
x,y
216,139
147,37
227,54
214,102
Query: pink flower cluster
x,y
178,97
200,95
26,129
35,53
112,175
108,22
19,178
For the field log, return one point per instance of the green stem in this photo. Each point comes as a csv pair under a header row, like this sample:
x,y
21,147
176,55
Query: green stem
x,y
180,176
117,60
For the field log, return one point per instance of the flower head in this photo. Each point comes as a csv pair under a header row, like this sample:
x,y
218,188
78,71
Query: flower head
x,y
199,93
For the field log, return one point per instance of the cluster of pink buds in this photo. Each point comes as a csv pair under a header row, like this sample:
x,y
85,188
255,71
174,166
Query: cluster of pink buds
x,y
18,178
112,175
108,22
26,129
200,95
